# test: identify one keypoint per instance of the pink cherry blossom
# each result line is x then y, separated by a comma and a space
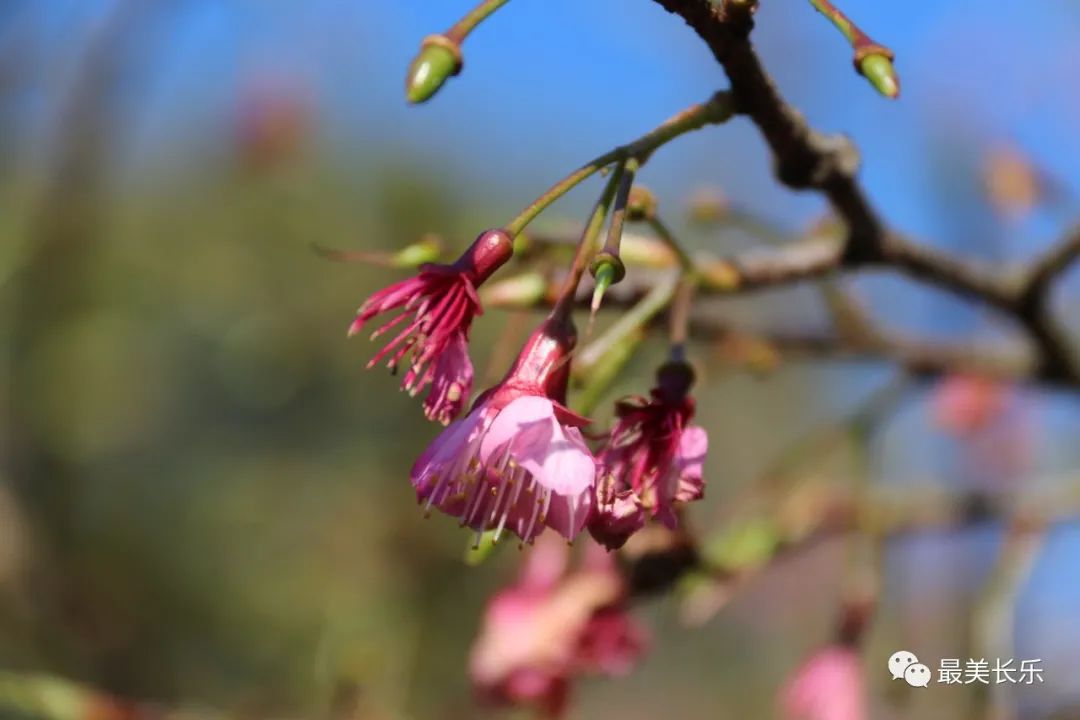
653, 458
518, 460
551, 627
432, 330
828, 686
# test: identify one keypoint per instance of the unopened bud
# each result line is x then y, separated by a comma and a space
877, 67
520, 291
641, 204
646, 251
439, 58
425, 250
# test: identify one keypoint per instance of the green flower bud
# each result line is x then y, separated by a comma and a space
641, 205
519, 291
425, 250
438, 59
879, 70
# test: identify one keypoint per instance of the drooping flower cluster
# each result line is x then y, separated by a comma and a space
437, 309
517, 461
652, 460
552, 626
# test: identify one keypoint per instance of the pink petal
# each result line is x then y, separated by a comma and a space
829, 686
613, 523
544, 565
568, 516
611, 643
453, 378
525, 412
558, 459
445, 449
689, 462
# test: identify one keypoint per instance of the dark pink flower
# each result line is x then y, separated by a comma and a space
550, 627
432, 331
828, 686
518, 460
618, 515
653, 459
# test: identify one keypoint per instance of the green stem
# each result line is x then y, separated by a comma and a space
599, 363
665, 234
847, 28
556, 191
618, 215
474, 17
587, 245
716, 110
680, 309
639, 316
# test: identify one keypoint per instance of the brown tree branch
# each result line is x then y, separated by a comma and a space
806, 159
813, 258
923, 358
658, 558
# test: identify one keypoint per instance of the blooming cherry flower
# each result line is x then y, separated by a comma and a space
517, 461
432, 330
652, 460
828, 686
552, 626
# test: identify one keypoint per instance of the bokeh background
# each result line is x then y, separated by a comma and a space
204, 500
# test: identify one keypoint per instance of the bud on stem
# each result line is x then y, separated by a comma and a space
439, 58
876, 66
607, 267
872, 60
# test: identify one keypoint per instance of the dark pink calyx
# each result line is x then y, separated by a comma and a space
543, 366
489, 252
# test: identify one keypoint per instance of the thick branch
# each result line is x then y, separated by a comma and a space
807, 159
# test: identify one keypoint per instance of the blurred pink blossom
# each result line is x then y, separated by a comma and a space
550, 627
828, 686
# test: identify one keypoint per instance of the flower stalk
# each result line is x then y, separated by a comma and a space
607, 267
716, 109
474, 17
587, 244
